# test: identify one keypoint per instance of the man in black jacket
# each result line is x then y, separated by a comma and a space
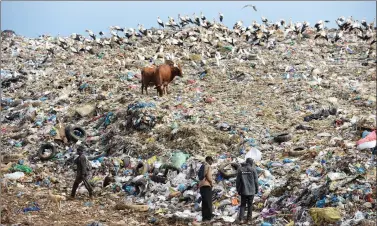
82, 174
247, 187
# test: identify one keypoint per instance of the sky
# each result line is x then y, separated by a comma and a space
63, 18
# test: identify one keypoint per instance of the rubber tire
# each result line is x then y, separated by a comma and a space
284, 137
298, 151
47, 146
228, 175
69, 133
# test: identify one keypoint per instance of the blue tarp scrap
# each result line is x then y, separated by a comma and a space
139, 105
202, 75
83, 86
105, 120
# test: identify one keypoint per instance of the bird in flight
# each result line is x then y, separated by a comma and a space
254, 7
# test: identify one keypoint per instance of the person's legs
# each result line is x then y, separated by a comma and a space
249, 207
88, 186
75, 186
210, 195
205, 192
242, 207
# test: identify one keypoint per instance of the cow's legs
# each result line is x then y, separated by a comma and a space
167, 92
142, 88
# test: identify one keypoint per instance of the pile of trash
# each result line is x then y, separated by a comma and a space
303, 109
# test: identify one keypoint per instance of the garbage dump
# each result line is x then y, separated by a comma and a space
301, 106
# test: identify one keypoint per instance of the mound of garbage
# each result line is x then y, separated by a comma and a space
304, 109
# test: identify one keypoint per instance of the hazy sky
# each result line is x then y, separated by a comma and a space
67, 17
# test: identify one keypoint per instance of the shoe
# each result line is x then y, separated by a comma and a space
238, 221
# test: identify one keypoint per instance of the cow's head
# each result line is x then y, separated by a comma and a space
177, 69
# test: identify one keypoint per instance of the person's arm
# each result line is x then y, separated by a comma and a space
256, 180
238, 181
83, 165
209, 176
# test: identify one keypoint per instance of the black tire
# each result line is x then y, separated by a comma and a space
227, 175
71, 136
41, 151
284, 137
298, 151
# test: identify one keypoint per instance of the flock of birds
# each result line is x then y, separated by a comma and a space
211, 33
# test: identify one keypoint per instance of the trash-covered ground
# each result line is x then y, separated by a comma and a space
305, 107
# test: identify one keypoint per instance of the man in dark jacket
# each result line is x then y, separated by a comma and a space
206, 190
82, 174
247, 187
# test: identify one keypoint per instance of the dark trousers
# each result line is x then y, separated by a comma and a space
206, 193
246, 199
78, 180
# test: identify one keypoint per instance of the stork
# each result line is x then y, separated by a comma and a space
174, 24
338, 36
182, 19
264, 20
91, 34
160, 23
319, 25
322, 34
117, 28
142, 30
188, 19
202, 16
221, 17
253, 6
196, 19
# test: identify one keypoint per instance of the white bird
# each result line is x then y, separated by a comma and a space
159, 21
253, 6
182, 19
264, 20
91, 34
202, 16
319, 25
221, 16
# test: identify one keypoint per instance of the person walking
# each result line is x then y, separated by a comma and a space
247, 187
83, 172
205, 185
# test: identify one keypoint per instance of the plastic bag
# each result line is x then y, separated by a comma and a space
22, 168
333, 176
254, 154
370, 137
328, 214
178, 159
14, 176
367, 145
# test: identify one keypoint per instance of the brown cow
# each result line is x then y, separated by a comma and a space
150, 78
166, 74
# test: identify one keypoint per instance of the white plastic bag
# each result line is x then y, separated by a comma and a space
254, 153
367, 145
14, 176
